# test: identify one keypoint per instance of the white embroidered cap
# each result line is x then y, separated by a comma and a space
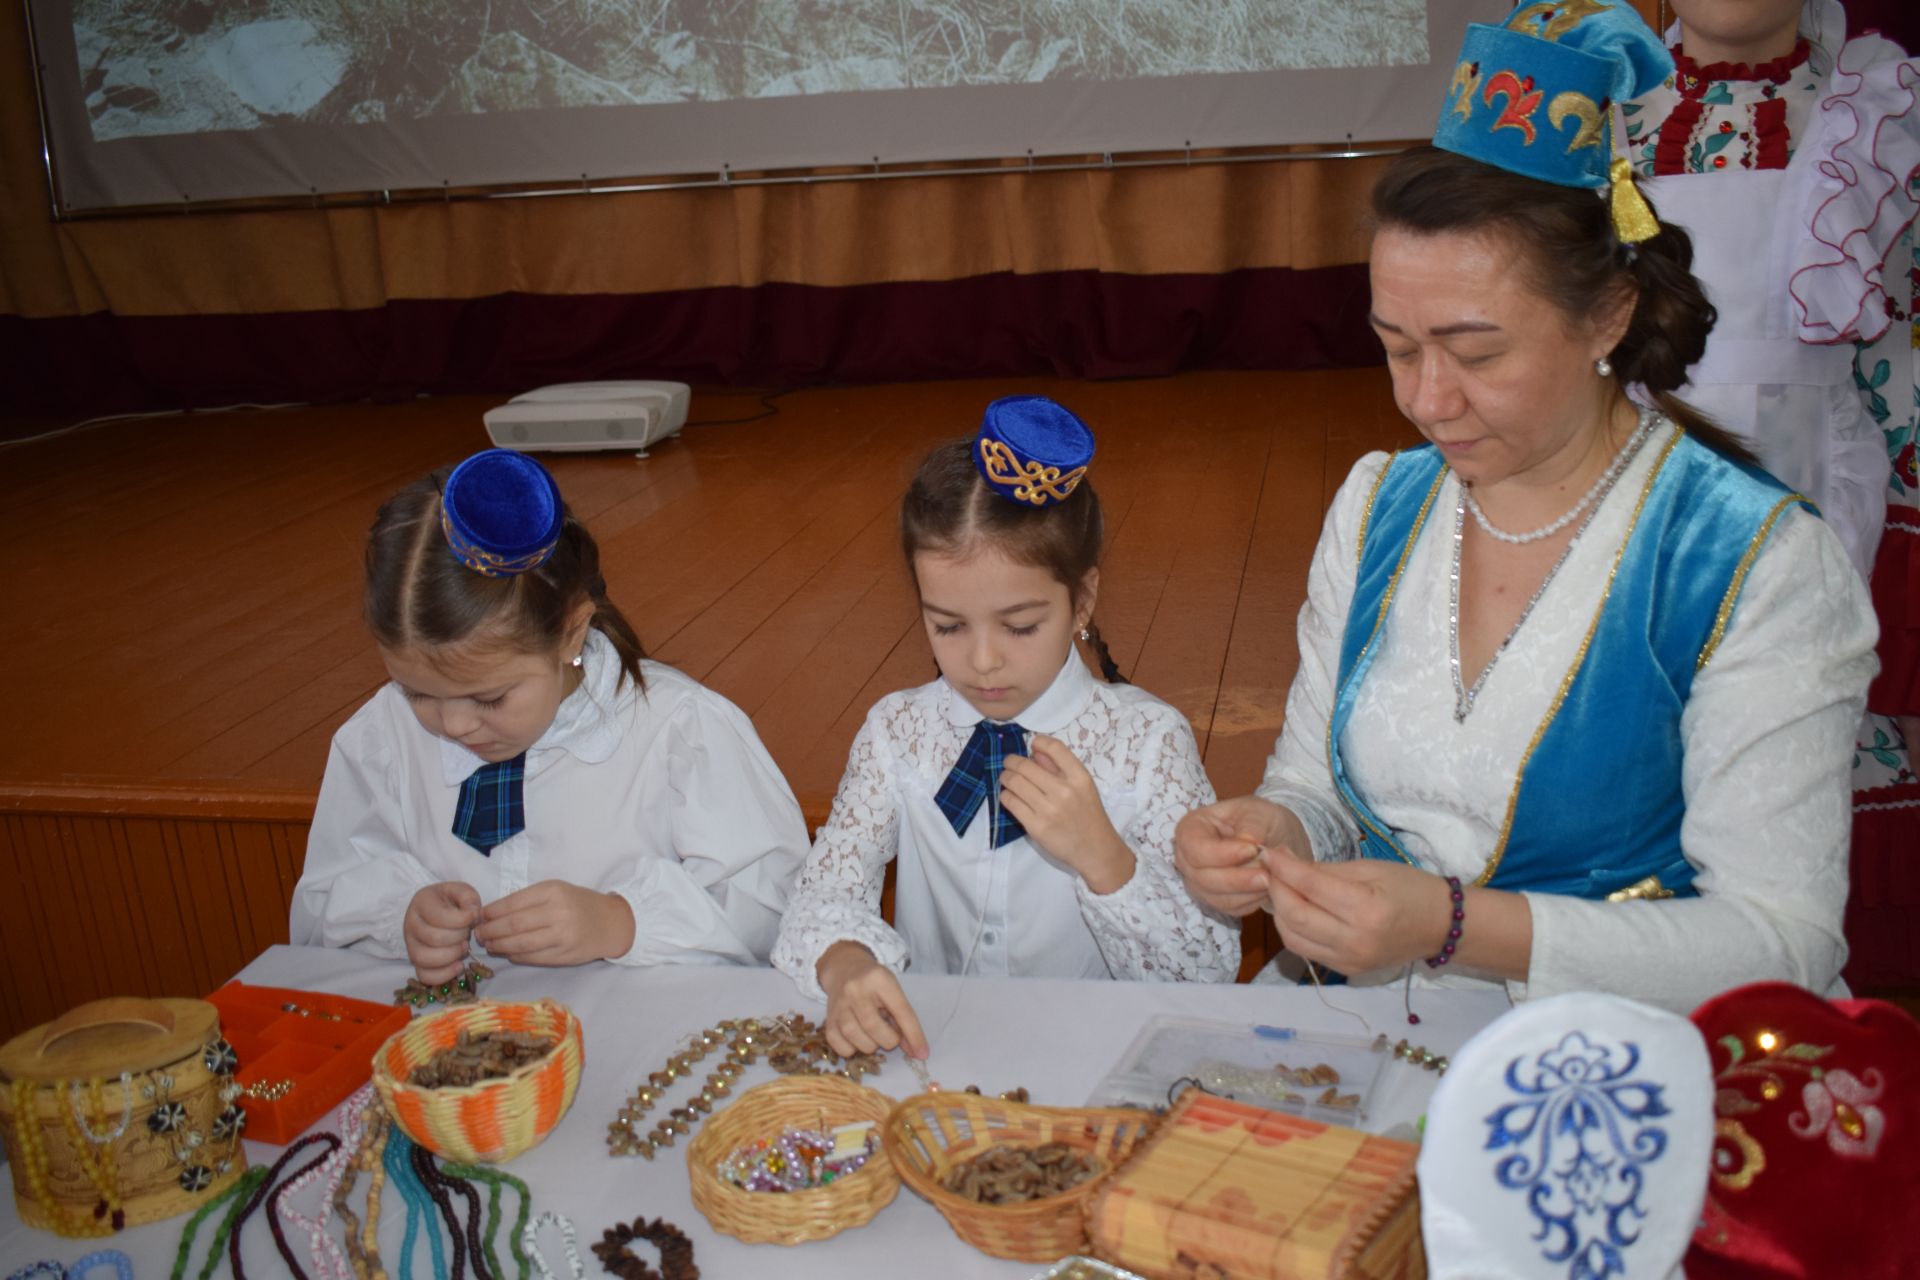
1569, 1138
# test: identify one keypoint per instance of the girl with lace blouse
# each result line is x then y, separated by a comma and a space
1029, 808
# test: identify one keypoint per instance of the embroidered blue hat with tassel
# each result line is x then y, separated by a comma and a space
1032, 451
1535, 96
502, 513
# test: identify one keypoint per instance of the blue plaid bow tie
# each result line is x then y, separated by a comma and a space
492, 807
976, 775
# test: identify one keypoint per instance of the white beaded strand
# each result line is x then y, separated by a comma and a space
1600, 486
74, 1091
569, 1242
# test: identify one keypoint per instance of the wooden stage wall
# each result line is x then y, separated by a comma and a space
184, 634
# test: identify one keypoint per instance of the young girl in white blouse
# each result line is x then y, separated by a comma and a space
529, 781
1031, 807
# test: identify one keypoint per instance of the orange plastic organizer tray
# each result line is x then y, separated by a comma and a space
326, 1058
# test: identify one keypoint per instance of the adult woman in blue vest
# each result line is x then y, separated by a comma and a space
1577, 682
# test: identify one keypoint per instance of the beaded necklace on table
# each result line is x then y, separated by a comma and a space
1463, 697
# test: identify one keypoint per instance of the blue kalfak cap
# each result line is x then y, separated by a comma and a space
1534, 95
1032, 451
502, 513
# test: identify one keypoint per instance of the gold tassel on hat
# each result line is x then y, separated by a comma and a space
1633, 219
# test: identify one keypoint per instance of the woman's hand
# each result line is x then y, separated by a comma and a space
1358, 916
1217, 849
556, 923
867, 1012
1055, 799
438, 922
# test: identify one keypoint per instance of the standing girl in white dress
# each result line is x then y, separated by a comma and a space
529, 781
1029, 806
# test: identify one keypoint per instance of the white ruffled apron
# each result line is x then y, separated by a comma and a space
1794, 402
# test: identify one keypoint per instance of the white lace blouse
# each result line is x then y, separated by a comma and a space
1767, 735
961, 907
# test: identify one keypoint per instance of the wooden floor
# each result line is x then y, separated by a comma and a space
182, 625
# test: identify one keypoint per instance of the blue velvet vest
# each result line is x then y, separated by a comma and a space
1597, 804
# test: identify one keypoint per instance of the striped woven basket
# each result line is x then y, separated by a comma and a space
494, 1120
929, 1134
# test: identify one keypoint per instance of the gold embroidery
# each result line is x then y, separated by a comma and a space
1386, 601
1579, 660
1032, 482
1562, 16
1752, 1157
1366, 514
1466, 79
1727, 601
1582, 108
1647, 890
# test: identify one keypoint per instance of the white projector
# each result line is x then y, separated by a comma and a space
577, 416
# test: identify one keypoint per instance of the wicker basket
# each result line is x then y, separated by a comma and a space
495, 1120
767, 1217
929, 1134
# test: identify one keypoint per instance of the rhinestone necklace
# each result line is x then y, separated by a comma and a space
1463, 697
1600, 487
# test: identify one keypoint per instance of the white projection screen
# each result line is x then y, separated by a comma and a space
163, 101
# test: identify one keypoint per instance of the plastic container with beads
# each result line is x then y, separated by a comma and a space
120, 1112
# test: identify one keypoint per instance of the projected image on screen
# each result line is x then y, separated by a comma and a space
153, 67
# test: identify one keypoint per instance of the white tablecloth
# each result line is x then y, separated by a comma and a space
1056, 1038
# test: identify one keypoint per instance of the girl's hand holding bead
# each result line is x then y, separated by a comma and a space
867, 1012
1358, 916
556, 923
1055, 799
438, 922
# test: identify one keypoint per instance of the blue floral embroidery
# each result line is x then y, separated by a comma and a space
1581, 1140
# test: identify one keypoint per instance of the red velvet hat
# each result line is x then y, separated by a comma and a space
1816, 1156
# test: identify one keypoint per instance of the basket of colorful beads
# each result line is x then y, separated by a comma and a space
795, 1160
1010, 1178
484, 1081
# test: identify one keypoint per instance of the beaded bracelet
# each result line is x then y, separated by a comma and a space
1459, 918
122, 1265
569, 1241
676, 1251
495, 1180
44, 1267
366, 1252
440, 1187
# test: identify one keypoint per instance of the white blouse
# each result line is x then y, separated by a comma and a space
1767, 738
961, 907
665, 797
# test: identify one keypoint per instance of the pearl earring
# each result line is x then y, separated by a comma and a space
1086, 633
1603, 367
580, 657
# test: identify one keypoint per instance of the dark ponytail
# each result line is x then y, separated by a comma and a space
1566, 241
949, 508
419, 595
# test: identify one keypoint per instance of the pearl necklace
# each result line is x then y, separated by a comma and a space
1600, 486
1463, 697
